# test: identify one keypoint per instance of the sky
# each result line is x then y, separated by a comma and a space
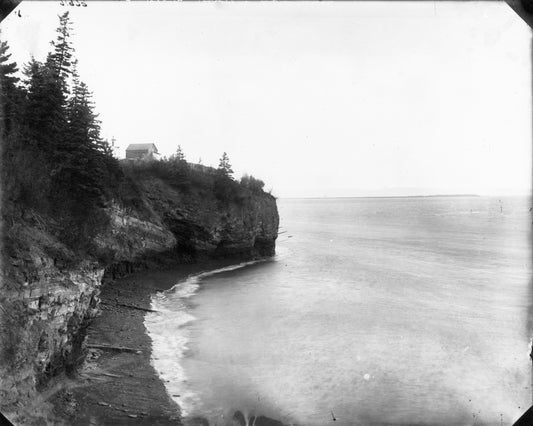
318, 99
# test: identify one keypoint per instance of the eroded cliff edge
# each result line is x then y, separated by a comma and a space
50, 288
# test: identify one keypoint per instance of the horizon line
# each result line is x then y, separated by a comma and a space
404, 196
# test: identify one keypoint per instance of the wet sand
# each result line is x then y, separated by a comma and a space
119, 386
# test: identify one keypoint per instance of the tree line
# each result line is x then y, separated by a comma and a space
224, 170
225, 185
54, 159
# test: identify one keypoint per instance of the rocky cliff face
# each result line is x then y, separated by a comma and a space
45, 307
49, 294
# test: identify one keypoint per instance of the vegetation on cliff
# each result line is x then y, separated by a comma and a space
55, 164
60, 174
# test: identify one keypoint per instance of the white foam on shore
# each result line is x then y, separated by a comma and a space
170, 336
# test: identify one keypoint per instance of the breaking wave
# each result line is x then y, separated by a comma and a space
170, 336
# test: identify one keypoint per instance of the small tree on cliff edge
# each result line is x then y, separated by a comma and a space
178, 156
179, 169
224, 166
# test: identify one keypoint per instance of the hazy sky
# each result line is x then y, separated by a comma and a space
317, 99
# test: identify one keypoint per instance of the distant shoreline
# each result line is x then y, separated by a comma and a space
394, 196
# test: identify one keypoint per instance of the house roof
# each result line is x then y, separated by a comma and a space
140, 147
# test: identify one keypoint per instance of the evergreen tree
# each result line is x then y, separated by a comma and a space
11, 157
224, 185
179, 169
57, 161
180, 156
93, 162
61, 58
9, 92
45, 110
61, 123
82, 118
224, 166
82, 132
7, 69
47, 85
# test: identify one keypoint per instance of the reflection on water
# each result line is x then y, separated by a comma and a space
382, 311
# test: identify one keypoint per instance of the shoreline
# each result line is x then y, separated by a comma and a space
117, 384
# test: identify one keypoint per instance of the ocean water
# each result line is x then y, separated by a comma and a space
373, 311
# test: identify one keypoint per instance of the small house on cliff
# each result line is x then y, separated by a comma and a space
141, 151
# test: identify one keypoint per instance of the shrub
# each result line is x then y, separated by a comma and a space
251, 183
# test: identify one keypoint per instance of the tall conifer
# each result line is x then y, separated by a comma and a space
224, 166
61, 58
9, 92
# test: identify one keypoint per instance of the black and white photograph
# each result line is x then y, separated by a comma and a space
266, 213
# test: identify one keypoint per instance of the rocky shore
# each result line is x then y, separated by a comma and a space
117, 383
52, 295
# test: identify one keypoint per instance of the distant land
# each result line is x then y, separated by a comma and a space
387, 196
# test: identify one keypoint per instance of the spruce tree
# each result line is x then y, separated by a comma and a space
224, 166
94, 163
11, 157
80, 132
7, 69
179, 169
224, 186
9, 92
48, 91
61, 123
179, 156
61, 58
58, 162
45, 110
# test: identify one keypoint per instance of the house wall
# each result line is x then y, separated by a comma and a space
139, 154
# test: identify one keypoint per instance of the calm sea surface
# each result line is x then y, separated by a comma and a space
376, 311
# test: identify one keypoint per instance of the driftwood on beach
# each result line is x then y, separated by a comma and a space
114, 348
129, 306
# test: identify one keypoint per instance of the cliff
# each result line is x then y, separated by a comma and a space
50, 289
